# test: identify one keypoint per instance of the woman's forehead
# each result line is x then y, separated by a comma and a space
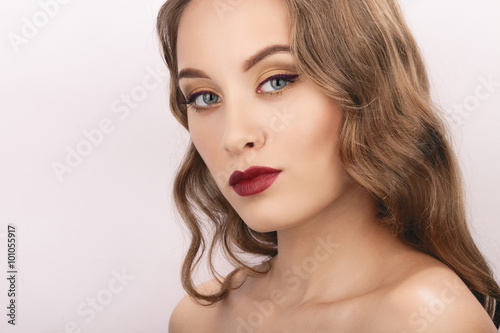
234, 30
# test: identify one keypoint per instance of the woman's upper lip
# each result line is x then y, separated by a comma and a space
251, 172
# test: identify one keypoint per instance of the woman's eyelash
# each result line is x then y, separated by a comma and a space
287, 77
191, 97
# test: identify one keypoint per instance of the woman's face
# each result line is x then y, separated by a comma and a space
250, 108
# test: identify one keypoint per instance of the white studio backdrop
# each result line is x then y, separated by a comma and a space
89, 148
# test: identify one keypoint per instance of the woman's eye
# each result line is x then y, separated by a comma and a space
277, 83
274, 84
206, 99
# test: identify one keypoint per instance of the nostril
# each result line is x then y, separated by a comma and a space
250, 144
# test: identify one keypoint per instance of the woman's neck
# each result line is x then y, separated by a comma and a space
340, 250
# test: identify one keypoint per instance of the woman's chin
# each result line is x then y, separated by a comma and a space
262, 227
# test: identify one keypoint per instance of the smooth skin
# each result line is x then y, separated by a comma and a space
338, 268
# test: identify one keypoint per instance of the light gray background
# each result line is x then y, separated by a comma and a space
112, 215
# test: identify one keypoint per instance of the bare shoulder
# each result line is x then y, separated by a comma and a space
432, 298
181, 319
190, 316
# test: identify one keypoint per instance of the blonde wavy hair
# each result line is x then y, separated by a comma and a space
362, 54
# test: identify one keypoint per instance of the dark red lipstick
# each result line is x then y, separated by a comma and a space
253, 180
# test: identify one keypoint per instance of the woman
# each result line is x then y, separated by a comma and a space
316, 147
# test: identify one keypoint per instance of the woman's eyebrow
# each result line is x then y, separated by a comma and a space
264, 53
247, 65
192, 73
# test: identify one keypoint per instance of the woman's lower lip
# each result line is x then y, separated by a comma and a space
255, 185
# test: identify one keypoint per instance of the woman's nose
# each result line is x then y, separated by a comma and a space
242, 128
